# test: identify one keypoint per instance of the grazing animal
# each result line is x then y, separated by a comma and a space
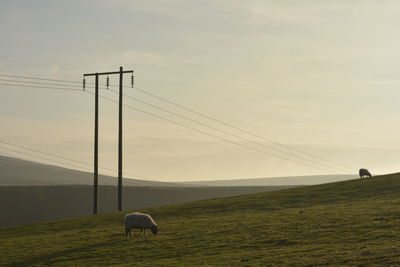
140, 221
364, 172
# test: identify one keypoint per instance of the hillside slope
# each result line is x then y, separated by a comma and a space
20, 172
33, 204
290, 180
345, 223
23, 172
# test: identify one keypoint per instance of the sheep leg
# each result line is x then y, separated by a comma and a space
127, 231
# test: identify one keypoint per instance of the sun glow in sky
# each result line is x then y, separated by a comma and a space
319, 76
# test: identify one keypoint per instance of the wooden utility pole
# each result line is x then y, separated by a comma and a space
96, 144
96, 129
121, 73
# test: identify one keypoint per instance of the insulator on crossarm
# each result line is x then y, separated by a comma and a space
108, 82
84, 84
132, 80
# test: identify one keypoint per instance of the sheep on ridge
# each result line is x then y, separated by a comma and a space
364, 172
140, 221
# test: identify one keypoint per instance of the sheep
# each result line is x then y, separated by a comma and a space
364, 172
140, 221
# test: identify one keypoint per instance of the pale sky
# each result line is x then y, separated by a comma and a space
320, 76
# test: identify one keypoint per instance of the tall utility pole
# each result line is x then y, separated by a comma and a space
121, 74
96, 128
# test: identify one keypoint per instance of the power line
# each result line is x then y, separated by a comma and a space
36, 78
214, 128
222, 131
64, 86
50, 80
210, 118
41, 87
43, 158
65, 158
237, 128
31, 82
176, 114
293, 155
212, 135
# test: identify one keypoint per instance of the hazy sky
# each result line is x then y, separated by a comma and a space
320, 76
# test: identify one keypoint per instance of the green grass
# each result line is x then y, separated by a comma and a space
354, 222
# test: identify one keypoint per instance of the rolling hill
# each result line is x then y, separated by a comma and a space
346, 223
23, 172
272, 181
30, 204
33, 192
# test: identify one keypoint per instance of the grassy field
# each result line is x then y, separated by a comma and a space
354, 222
35, 204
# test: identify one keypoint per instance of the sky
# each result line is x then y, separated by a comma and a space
317, 76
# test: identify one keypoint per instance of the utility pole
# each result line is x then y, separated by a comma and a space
96, 128
121, 73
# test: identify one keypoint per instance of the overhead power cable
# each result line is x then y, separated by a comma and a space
207, 117
42, 87
222, 131
65, 158
41, 83
47, 159
212, 135
36, 78
214, 128
238, 129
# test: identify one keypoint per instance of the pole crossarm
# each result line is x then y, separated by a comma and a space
107, 73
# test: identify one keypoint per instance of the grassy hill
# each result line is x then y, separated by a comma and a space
33, 204
353, 222
23, 172
289, 180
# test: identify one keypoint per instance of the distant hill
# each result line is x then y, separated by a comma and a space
34, 192
22, 172
349, 223
291, 180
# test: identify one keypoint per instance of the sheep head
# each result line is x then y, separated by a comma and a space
154, 229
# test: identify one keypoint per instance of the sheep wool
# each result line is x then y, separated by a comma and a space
140, 221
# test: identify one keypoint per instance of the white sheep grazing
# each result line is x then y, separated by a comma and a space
140, 221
